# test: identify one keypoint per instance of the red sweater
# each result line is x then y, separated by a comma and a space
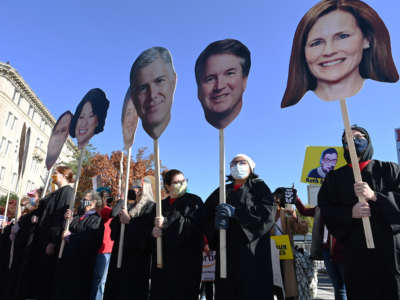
108, 243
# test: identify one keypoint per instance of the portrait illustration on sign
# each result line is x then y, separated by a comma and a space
221, 72
337, 45
152, 85
59, 135
90, 117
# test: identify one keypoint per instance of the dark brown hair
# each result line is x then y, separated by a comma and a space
168, 175
377, 62
67, 172
227, 46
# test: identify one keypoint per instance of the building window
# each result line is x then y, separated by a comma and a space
2, 144
9, 119
2, 173
7, 148
19, 100
14, 182
30, 111
16, 97
14, 122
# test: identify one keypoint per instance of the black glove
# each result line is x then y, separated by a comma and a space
223, 212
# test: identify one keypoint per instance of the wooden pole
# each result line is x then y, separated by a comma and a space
46, 186
5, 210
356, 170
72, 202
121, 170
17, 215
222, 199
158, 200
122, 232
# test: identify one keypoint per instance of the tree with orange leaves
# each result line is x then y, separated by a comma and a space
108, 168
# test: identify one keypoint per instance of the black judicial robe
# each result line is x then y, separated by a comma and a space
49, 230
131, 281
74, 273
182, 243
5, 246
249, 267
369, 273
19, 277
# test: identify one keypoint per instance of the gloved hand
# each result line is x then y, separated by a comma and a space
223, 212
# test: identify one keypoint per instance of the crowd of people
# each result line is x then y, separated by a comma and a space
31, 268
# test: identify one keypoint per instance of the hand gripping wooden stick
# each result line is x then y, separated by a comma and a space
222, 199
122, 233
356, 170
158, 201
72, 202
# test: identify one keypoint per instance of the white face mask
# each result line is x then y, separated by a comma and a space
178, 189
240, 171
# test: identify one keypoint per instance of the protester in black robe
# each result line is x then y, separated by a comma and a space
182, 243
47, 238
248, 217
370, 274
74, 273
131, 281
5, 246
19, 283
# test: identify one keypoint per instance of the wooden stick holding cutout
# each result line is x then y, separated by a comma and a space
72, 202
122, 232
158, 200
46, 186
5, 211
121, 170
356, 170
222, 199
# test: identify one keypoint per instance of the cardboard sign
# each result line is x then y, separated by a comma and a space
153, 82
59, 135
320, 60
129, 120
90, 116
319, 161
221, 73
21, 149
209, 261
397, 136
26, 150
290, 196
283, 245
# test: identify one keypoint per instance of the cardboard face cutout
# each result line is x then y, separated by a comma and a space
153, 82
57, 139
332, 54
221, 73
21, 149
129, 120
89, 117
26, 150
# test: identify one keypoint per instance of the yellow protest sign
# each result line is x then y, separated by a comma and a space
283, 245
319, 161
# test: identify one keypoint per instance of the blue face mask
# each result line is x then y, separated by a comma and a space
32, 200
361, 145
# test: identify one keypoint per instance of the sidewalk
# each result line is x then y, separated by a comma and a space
325, 288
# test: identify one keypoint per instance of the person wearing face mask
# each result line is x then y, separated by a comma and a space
74, 273
247, 216
182, 241
49, 218
131, 281
369, 274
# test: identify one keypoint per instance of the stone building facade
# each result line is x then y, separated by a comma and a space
19, 105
